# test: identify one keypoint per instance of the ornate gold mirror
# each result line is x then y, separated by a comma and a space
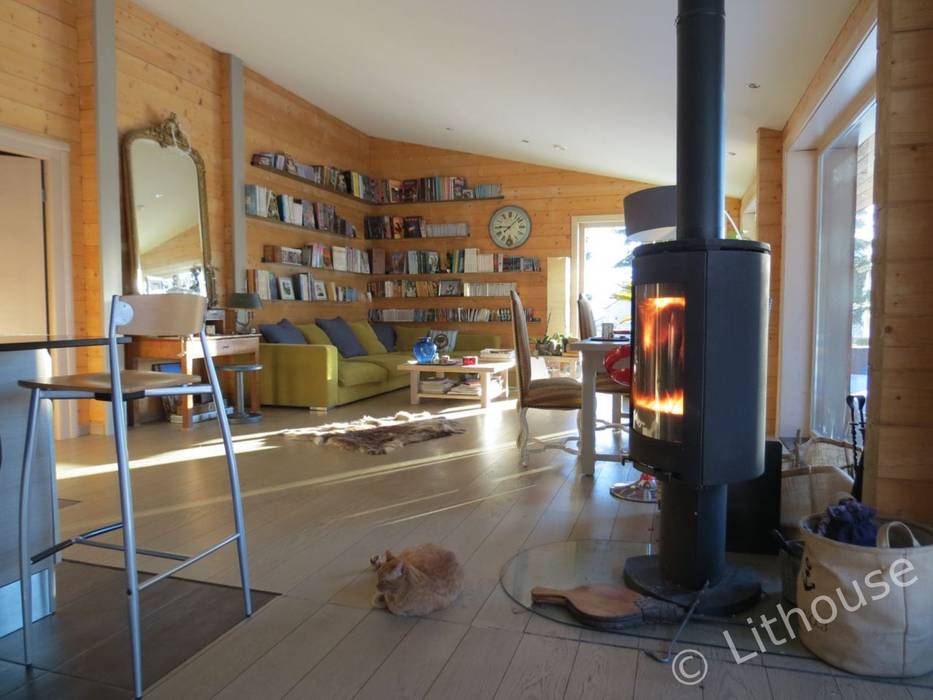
166, 211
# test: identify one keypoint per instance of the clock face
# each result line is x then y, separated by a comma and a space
510, 227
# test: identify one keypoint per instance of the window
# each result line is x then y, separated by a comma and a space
843, 275
602, 269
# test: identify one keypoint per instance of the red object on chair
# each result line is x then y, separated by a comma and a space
618, 364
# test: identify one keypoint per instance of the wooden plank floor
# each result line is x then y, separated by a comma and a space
316, 514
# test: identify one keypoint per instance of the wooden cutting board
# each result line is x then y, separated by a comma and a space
598, 604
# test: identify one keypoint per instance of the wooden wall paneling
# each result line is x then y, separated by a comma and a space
42, 49
551, 196
161, 69
769, 183
898, 463
853, 32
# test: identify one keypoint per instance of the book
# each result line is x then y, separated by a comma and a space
339, 256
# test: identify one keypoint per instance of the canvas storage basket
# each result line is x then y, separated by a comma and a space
891, 636
806, 490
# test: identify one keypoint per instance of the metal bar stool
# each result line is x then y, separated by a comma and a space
161, 314
241, 414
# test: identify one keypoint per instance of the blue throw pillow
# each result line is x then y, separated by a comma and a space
342, 336
386, 334
282, 332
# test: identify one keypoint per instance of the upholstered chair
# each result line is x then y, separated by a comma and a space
604, 383
555, 393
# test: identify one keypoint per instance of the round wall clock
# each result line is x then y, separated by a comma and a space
509, 227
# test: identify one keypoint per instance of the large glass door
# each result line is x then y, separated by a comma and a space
843, 275
603, 262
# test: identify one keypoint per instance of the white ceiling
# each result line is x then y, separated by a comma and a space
595, 76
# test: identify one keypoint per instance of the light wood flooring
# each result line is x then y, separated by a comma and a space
316, 514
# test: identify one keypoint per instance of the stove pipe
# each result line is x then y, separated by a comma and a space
701, 27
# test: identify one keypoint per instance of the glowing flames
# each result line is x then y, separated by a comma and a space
661, 326
672, 403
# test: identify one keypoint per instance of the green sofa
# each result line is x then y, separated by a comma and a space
316, 376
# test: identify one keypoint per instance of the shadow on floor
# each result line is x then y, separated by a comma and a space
83, 650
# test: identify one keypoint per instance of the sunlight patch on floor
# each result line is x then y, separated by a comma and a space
207, 450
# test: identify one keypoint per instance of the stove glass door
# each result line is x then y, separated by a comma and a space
658, 361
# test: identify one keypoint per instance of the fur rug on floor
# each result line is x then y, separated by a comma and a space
377, 436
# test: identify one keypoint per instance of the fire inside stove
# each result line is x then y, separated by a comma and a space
658, 361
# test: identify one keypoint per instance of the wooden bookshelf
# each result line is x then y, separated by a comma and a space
330, 235
438, 201
317, 302
452, 275
295, 268
502, 300
359, 200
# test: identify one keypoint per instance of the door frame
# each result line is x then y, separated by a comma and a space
577, 251
56, 171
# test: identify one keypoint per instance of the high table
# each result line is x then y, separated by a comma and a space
27, 357
592, 351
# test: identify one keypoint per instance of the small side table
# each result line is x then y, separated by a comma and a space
240, 413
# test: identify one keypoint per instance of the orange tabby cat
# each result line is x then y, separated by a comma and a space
418, 581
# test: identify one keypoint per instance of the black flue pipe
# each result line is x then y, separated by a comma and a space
693, 518
701, 39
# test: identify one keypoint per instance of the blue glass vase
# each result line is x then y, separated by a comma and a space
424, 350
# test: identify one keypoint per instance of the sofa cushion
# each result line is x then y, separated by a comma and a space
472, 343
341, 335
367, 337
389, 361
356, 372
314, 334
282, 332
407, 336
386, 334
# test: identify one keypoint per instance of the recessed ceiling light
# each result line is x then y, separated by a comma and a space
753, 86
158, 195
558, 147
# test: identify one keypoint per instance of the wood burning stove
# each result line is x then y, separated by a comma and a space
699, 338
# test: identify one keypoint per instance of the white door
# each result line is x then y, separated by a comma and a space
24, 306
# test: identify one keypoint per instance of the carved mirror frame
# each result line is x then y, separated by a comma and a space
166, 134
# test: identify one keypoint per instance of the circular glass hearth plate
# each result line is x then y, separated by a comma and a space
636, 491
568, 564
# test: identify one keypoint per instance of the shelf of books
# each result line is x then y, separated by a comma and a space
264, 222
458, 261
409, 290
301, 287
360, 188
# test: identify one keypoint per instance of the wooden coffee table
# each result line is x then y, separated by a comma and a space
485, 370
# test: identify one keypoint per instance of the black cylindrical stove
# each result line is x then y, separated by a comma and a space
699, 339
699, 347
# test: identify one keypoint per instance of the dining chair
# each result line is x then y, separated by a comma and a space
554, 393
149, 315
604, 383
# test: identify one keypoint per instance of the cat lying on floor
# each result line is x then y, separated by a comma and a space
418, 581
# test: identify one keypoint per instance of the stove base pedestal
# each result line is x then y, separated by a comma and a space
738, 589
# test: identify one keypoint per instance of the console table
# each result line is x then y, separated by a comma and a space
186, 351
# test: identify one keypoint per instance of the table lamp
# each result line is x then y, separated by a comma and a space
244, 301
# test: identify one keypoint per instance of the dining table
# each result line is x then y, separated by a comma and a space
592, 351
28, 357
